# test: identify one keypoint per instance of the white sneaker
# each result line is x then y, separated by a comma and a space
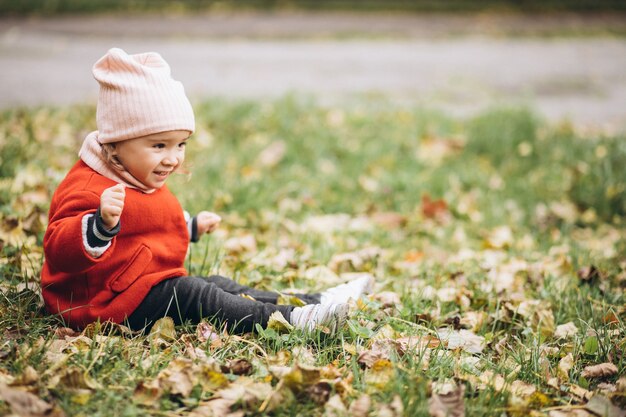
310, 316
344, 292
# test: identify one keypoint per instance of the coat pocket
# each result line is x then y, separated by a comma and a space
138, 263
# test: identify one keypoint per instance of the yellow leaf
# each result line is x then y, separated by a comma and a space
278, 322
291, 300
378, 376
163, 329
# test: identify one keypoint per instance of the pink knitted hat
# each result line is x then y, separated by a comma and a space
138, 97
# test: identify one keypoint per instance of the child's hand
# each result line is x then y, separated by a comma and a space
111, 205
207, 222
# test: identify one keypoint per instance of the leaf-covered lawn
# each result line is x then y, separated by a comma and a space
498, 245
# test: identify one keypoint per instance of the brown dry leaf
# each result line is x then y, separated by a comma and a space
434, 209
361, 406
580, 392
147, 393
602, 406
73, 378
599, 371
389, 220
369, 357
301, 376
463, 339
182, 374
448, 403
335, 407
393, 409
354, 261
272, 155
571, 412
387, 298
23, 403
163, 332
319, 392
241, 244
500, 238
240, 366
61, 332
205, 331
218, 407
565, 331
416, 344
565, 365
28, 376
251, 395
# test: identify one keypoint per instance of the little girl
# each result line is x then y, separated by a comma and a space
117, 237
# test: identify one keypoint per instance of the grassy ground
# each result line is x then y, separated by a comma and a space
497, 243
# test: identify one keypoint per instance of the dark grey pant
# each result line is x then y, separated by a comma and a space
191, 299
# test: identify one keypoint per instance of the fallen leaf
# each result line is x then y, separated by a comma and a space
361, 406
24, 403
273, 154
335, 407
389, 220
565, 365
319, 392
448, 404
163, 332
434, 209
463, 339
602, 406
241, 244
278, 322
290, 300
387, 298
599, 371
564, 331
378, 376
394, 409
354, 261
240, 366
500, 238
571, 412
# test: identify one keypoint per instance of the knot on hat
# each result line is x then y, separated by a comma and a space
138, 97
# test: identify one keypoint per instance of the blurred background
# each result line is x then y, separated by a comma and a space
564, 58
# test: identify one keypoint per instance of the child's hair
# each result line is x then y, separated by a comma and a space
110, 158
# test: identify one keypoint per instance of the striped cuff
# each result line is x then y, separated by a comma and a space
87, 231
193, 229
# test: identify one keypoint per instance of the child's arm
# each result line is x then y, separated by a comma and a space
78, 234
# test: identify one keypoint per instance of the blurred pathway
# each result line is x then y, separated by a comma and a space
460, 64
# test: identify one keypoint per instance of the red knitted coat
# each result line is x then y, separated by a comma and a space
150, 247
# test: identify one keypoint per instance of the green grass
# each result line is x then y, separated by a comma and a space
524, 210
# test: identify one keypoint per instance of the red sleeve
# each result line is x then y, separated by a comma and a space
63, 241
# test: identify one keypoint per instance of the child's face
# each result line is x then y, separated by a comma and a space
151, 159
